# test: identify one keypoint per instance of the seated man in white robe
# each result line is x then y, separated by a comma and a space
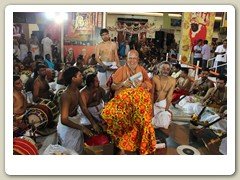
162, 90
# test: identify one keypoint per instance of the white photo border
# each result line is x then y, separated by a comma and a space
119, 165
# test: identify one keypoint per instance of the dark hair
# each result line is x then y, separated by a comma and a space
200, 40
40, 65
222, 77
47, 55
185, 70
15, 78
177, 66
205, 42
80, 57
90, 79
69, 73
104, 31
206, 69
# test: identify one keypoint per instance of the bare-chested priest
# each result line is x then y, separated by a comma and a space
162, 89
41, 89
19, 103
107, 57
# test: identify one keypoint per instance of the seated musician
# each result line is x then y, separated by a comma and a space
214, 101
41, 86
70, 129
92, 95
162, 90
121, 78
19, 103
182, 86
176, 71
197, 91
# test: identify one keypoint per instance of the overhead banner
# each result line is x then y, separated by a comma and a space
195, 26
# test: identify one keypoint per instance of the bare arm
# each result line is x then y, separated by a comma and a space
209, 92
65, 105
87, 113
152, 95
116, 55
169, 95
193, 86
36, 86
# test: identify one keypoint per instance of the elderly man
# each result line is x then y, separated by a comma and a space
131, 75
162, 91
106, 56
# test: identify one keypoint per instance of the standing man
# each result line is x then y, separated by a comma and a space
47, 45
205, 54
221, 56
162, 91
106, 56
69, 127
23, 47
197, 53
34, 45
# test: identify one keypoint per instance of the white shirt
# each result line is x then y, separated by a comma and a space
206, 52
47, 43
196, 54
221, 57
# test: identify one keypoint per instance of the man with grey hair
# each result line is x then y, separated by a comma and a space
162, 89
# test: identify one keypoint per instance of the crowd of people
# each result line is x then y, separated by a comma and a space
99, 95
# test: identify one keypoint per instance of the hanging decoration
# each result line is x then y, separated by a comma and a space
134, 28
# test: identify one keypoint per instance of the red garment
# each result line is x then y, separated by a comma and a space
178, 93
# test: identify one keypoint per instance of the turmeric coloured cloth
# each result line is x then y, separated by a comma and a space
124, 73
128, 116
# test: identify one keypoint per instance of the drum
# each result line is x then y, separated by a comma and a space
56, 98
42, 114
24, 146
52, 106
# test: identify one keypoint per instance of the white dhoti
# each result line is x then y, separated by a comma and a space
161, 117
69, 137
96, 111
104, 76
188, 104
83, 119
23, 51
